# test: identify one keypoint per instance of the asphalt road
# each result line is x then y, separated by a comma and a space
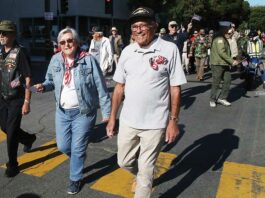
209, 137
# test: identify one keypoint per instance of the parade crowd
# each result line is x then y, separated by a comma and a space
153, 66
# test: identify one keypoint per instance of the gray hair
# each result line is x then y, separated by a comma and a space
69, 30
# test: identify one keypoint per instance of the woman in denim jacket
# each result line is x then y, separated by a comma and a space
80, 88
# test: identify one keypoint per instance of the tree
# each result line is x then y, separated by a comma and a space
257, 18
211, 11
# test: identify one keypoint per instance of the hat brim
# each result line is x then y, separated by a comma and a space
7, 30
140, 18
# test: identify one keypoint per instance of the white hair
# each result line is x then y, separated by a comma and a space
69, 30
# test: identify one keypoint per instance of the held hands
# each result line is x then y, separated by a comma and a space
38, 87
172, 132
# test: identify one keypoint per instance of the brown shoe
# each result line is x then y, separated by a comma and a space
133, 188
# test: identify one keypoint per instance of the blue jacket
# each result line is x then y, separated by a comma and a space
89, 83
178, 39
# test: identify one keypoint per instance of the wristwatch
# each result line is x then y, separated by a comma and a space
173, 118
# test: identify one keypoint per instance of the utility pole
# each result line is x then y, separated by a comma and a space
47, 31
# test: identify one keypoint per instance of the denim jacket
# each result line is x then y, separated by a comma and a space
89, 83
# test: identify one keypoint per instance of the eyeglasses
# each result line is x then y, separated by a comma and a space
3, 33
142, 27
63, 42
173, 26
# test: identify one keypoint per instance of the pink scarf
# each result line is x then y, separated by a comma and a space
68, 67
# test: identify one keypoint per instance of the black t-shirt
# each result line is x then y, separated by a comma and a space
23, 61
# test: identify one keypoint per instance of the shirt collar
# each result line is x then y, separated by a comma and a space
152, 47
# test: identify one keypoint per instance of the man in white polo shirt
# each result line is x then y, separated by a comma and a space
149, 74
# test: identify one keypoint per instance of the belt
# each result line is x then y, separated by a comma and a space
8, 97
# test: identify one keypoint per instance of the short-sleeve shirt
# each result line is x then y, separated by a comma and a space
148, 74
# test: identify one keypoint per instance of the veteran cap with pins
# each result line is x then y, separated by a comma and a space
142, 13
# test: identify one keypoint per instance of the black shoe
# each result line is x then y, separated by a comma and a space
11, 171
28, 145
74, 187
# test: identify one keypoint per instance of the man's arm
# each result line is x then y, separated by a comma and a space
115, 104
172, 130
26, 105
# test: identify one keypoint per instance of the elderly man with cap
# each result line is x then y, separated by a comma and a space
15, 77
221, 62
150, 75
100, 48
116, 44
176, 36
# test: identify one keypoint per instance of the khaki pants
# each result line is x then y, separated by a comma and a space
200, 67
137, 152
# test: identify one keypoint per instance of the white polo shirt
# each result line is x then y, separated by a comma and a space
147, 100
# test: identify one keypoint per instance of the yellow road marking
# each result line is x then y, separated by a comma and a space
119, 182
41, 160
241, 181
2, 136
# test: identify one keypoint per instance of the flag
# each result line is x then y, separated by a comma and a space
196, 17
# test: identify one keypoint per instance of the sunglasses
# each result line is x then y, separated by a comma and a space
173, 26
63, 42
3, 33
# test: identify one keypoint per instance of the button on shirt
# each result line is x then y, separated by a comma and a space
147, 99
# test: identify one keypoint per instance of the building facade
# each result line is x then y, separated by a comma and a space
81, 15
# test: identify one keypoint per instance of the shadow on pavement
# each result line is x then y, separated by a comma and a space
28, 195
39, 160
100, 133
103, 167
207, 152
187, 95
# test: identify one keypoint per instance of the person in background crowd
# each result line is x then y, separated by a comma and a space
79, 86
116, 44
210, 36
56, 48
242, 44
177, 37
15, 79
254, 45
210, 40
233, 43
200, 46
221, 62
235, 32
254, 50
185, 56
162, 32
191, 52
100, 48
149, 68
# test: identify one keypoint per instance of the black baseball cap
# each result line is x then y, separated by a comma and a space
96, 29
142, 13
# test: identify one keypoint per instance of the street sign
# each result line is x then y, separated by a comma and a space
48, 16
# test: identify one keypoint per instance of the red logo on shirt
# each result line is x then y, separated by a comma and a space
156, 61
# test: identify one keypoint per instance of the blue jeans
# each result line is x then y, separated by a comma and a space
72, 135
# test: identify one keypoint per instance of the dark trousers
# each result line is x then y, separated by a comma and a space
220, 73
10, 120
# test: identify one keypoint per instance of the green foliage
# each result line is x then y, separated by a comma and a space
257, 18
212, 11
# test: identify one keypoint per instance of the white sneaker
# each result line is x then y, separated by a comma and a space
212, 104
224, 102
